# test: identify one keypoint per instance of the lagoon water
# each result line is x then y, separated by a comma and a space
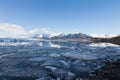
53, 60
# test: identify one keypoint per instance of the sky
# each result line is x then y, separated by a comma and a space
22, 17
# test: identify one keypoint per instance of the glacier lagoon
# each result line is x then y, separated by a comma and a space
53, 60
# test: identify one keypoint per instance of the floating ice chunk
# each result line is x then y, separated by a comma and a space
80, 79
70, 74
54, 63
83, 64
102, 45
51, 67
63, 74
66, 64
44, 78
13, 43
39, 58
55, 55
58, 78
54, 45
19, 72
81, 56
59, 72
5, 55
78, 68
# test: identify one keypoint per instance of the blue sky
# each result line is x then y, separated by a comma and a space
85, 16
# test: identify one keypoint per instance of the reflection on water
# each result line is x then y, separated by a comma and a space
103, 44
54, 45
57, 44
48, 44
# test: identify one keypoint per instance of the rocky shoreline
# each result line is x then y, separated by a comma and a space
111, 71
114, 40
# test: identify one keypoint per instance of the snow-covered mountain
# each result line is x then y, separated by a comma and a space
61, 35
41, 36
73, 37
70, 35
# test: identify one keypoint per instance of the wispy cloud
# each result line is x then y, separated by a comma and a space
13, 30
41, 30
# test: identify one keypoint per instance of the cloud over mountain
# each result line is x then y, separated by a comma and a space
13, 30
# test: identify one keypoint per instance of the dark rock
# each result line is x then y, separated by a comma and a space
111, 71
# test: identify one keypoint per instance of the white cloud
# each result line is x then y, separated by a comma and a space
13, 30
43, 30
